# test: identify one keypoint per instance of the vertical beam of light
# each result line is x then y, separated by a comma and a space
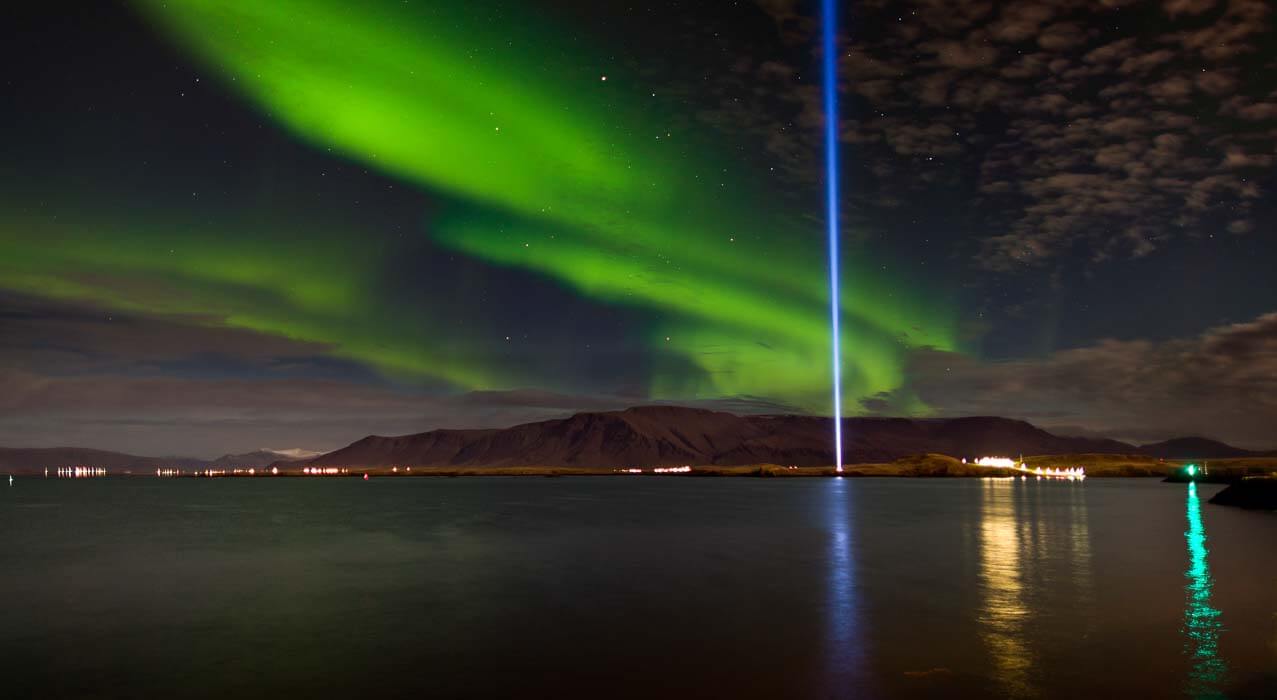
830, 49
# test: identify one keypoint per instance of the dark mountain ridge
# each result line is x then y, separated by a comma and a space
256, 458
36, 459
1196, 448
648, 436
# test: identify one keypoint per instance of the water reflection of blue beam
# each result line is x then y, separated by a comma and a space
845, 650
1202, 625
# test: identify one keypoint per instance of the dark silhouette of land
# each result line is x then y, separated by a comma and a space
29, 460
650, 436
666, 436
1252, 494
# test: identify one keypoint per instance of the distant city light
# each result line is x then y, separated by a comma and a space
657, 470
325, 471
79, 472
1070, 473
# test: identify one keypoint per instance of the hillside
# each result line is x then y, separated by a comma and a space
260, 458
1194, 448
647, 436
32, 460
669, 435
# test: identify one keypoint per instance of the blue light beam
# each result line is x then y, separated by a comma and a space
830, 49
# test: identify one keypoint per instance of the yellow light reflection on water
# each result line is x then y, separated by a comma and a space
1202, 625
1003, 613
1079, 549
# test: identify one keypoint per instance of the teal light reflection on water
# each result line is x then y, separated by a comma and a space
1202, 624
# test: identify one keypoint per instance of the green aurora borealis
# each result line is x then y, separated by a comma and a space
536, 163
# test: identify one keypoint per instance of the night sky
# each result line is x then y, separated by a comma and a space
233, 224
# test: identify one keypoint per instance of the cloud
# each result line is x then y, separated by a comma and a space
1062, 35
1121, 50
1237, 158
1191, 7
196, 417
84, 377
1140, 64
1114, 142
1174, 89
1231, 35
1251, 110
183, 416
1216, 83
1019, 21
973, 53
1221, 383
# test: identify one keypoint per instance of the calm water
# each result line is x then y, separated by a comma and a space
633, 587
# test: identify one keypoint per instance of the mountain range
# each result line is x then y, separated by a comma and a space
36, 459
660, 436
671, 435
262, 458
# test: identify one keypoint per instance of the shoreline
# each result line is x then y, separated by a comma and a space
921, 466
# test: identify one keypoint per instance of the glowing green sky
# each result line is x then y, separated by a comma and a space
533, 162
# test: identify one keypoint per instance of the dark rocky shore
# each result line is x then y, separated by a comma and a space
1255, 493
